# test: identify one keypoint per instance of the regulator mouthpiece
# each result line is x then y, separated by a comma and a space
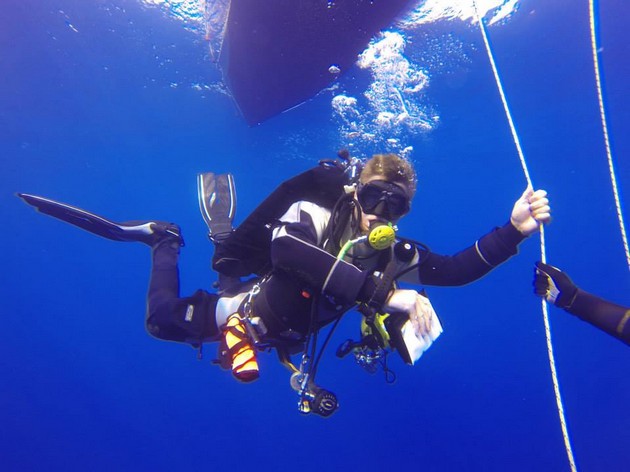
382, 236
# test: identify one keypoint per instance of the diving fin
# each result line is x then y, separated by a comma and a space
148, 232
217, 203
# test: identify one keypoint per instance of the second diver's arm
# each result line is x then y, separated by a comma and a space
609, 317
557, 287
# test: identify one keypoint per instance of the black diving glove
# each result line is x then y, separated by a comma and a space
554, 285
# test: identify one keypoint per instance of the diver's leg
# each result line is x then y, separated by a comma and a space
169, 317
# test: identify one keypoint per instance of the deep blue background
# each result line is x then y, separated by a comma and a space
106, 118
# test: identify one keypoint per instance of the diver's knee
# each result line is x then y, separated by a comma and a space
156, 324
153, 330
158, 319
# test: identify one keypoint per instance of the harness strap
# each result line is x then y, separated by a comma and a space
285, 359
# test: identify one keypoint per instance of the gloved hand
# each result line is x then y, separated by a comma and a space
530, 211
417, 307
554, 285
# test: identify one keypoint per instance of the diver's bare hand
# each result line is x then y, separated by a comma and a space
530, 211
415, 306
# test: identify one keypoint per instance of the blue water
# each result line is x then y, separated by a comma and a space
98, 109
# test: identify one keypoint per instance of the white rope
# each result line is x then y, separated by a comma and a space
602, 113
552, 363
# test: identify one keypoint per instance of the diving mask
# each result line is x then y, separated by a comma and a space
383, 199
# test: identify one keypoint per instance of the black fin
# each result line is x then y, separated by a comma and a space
217, 203
143, 231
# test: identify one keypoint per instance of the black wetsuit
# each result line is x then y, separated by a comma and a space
304, 272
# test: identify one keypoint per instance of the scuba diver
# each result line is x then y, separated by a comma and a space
556, 287
322, 244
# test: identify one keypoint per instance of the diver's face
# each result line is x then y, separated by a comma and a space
369, 221
381, 202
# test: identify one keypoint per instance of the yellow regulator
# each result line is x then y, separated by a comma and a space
382, 236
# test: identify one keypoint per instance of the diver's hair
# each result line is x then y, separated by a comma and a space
392, 168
